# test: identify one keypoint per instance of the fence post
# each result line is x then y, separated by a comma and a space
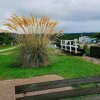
61, 45
75, 47
65, 45
70, 46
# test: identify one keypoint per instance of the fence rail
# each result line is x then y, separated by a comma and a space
71, 44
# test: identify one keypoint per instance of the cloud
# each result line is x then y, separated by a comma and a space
74, 15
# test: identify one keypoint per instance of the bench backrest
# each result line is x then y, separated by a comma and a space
58, 84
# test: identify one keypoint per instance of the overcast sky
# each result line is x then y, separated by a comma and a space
73, 15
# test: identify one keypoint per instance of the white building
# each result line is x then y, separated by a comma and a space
84, 39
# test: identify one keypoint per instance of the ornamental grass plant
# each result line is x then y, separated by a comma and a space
33, 35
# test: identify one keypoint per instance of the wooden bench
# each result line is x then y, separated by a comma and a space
76, 91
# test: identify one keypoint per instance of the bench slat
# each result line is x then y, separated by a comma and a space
63, 94
55, 84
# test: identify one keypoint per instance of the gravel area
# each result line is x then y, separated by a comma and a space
91, 59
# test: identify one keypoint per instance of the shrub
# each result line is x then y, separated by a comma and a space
34, 35
96, 35
87, 50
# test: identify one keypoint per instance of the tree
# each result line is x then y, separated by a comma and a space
96, 35
6, 38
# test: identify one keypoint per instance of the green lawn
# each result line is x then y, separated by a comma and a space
64, 65
14, 48
5, 47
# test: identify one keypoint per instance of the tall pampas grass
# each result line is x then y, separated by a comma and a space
34, 36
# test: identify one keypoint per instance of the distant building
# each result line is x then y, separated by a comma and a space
84, 39
94, 40
87, 40
98, 41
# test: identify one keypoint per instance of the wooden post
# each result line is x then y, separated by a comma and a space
70, 46
65, 45
75, 47
61, 45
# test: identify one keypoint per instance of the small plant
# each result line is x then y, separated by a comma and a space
87, 50
34, 35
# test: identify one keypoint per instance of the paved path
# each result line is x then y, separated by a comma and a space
8, 49
91, 59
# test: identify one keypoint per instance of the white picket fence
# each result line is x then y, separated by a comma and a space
69, 43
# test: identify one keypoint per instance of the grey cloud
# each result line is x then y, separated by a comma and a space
74, 15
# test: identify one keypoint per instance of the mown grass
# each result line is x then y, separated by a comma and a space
63, 65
